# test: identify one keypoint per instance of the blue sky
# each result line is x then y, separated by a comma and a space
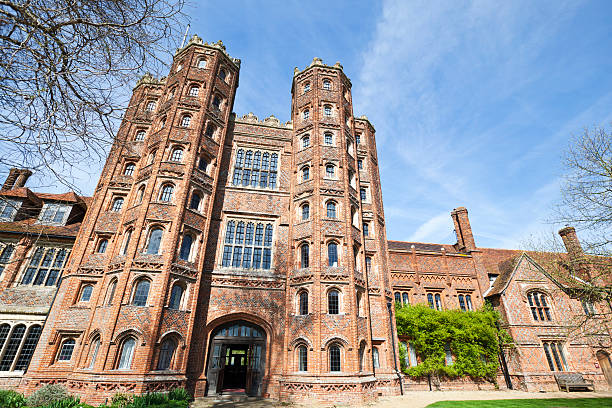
474, 102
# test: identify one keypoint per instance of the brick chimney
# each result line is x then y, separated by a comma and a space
465, 238
577, 260
16, 178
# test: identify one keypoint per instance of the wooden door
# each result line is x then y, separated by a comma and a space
606, 365
221, 371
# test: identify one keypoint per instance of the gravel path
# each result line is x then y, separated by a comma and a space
412, 399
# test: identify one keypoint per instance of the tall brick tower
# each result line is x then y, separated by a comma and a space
229, 254
340, 248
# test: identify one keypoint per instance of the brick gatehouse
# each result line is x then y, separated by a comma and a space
226, 253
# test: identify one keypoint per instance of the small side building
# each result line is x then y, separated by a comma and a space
37, 232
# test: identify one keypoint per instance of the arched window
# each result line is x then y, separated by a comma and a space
141, 292
468, 302
179, 66
222, 74
306, 87
12, 346
306, 114
27, 350
186, 245
302, 358
140, 135
327, 85
305, 212
363, 194
166, 353
194, 204
150, 106
305, 141
333, 302
162, 123
177, 155
102, 246
375, 357
202, 63
93, 351
127, 354
331, 209
366, 229
111, 292
305, 173
167, 191
329, 138
304, 256
358, 138
86, 293
65, 352
126, 241
303, 300
361, 356
129, 169
360, 164
203, 164
539, 306
176, 295
368, 262
194, 90
154, 244
210, 130
334, 358
332, 254
185, 121
140, 194
405, 299
216, 102
398, 298
327, 110
117, 204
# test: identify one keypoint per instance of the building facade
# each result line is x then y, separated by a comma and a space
232, 254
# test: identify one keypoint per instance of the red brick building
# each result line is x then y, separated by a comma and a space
229, 254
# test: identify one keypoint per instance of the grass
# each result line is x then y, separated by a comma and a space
528, 403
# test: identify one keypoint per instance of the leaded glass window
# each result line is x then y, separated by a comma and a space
175, 297
54, 213
303, 299
255, 169
141, 293
5, 255
248, 244
165, 354
555, 356
331, 209
332, 254
334, 358
127, 354
333, 302
539, 306
8, 208
45, 266
302, 358
166, 193
27, 350
305, 212
66, 350
11, 348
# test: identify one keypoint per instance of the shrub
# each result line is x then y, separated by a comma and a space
47, 395
122, 400
11, 399
179, 394
70, 402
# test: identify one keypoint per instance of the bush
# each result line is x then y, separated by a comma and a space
70, 402
47, 395
176, 398
11, 399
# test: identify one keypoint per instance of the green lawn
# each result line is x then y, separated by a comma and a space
528, 403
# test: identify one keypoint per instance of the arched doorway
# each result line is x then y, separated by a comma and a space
606, 365
236, 358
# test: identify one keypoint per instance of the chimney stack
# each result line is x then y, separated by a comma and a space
465, 238
575, 253
16, 178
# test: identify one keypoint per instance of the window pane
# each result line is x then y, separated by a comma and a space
175, 297
28, 348
334, 358
142, 293
127, 352
11, 348
166, 353
303, 358
332, 302
66, 350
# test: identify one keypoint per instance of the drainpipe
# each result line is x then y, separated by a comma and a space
399, 376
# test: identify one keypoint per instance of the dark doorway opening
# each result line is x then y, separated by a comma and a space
235, 363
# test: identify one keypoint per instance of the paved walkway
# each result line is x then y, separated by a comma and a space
412, 399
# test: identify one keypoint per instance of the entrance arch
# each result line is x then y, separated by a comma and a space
606, 365
236, 358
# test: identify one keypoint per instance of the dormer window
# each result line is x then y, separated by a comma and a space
8, 209
54, 213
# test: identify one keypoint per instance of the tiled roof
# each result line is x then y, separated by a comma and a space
30, 226
419, 246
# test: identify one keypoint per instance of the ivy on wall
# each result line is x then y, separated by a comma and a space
473, 338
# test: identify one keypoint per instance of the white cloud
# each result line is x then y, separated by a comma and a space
432, 228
